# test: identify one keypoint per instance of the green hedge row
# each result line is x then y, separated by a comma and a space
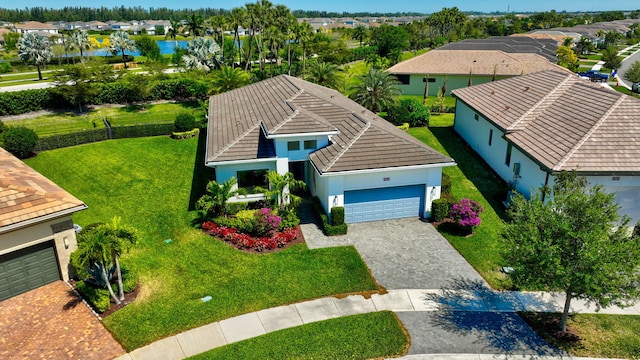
328, 229
99, 299
120, 92
185, 134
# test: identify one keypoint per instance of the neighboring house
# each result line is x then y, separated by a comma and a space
529, 128
347, 155
518, 43
35, 26
461, 67
116, 26
36, 231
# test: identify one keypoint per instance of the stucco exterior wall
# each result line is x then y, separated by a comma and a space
416, 85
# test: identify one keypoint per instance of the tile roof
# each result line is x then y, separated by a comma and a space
27, 195
562, 121
479, 62
519, 43
35, 25
241, 120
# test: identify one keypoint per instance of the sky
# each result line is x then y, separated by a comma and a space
422, 6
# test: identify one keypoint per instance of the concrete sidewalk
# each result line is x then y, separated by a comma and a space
477, 300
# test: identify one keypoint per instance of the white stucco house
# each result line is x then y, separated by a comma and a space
347, 155
36, 232
528, 128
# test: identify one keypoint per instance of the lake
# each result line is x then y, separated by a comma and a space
166, 47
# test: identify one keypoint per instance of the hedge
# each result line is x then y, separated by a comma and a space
337, 215
328, 229
185, 134
99, 299
439, 209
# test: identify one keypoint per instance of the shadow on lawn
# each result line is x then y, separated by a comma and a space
468, 308
201, 174
492, 187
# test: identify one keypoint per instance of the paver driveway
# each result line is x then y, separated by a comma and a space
402, 254
52, 323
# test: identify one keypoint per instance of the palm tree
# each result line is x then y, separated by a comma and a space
236, 20
195, 26
360, 33
214, 202
173, 31
274, 39
229, 78
95, 247
376, 90
36, 49
325, 74
280, 187
304, 35
121, 238
119, 43
80, 39
203, 54
219, 24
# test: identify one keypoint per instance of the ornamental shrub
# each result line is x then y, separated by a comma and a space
20, 141
266, 222
337, 215
466, 214
184, 122
3, 127
98, 298
439, 209
289, 219
446, 183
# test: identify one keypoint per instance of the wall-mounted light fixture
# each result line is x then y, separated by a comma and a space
65, 241
433, 192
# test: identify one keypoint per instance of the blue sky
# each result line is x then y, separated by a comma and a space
425, 6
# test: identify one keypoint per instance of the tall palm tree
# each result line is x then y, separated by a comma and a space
274, 39
375, 90
219, 24
195, 26
35, 49
325, 74
280, 187
120, 238
67, 45
229, 78
304, 35
236, 20
360, 33
119, 42
174, 30
202, 54
80, 39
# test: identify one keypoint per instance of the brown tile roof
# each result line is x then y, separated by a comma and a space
238, 120
479, 62
27, 195
35, 25
562, 121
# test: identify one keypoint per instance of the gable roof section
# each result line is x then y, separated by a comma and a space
26, 196
517, 43
478, 62
285, 105
562, 121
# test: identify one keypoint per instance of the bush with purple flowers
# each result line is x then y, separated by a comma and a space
466, 214
266, 222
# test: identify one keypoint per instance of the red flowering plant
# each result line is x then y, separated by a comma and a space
466, 214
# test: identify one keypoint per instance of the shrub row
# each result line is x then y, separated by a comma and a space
185, 134
120, 92
98, 298
328, 229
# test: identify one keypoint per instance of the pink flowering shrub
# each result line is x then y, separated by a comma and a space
466, 214
266, 222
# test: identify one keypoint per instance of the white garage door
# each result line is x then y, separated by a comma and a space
383, 203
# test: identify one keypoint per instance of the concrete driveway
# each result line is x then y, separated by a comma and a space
402, 254
52, 323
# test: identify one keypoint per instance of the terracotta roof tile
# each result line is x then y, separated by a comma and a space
26, 195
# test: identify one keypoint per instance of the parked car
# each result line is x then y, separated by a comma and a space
635, 87
594, 75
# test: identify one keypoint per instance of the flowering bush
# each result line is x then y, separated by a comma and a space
466, 214
245, 241
266, 222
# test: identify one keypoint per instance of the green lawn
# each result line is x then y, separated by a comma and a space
68, 122
374, 335
473, 179
449, 101
601, 336
152, 183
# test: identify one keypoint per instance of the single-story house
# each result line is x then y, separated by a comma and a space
36, 232
517, 43
347, 155
528, 128
459, 68
35, 26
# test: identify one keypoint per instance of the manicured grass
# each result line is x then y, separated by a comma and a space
367, 336
449, 101
607, 336
68, 122
441, 120
152, 183
410, 54
473, 179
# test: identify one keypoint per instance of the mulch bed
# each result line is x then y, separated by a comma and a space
298, 240
128, 299
548, 327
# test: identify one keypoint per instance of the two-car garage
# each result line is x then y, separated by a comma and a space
27, 269
384, 203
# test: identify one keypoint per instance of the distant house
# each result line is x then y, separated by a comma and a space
460, 68
347, 155
529, 128
116, 26
36, 232
35, 26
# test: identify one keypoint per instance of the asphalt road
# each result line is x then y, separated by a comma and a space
626, 63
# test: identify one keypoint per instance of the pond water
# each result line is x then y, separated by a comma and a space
166, 47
